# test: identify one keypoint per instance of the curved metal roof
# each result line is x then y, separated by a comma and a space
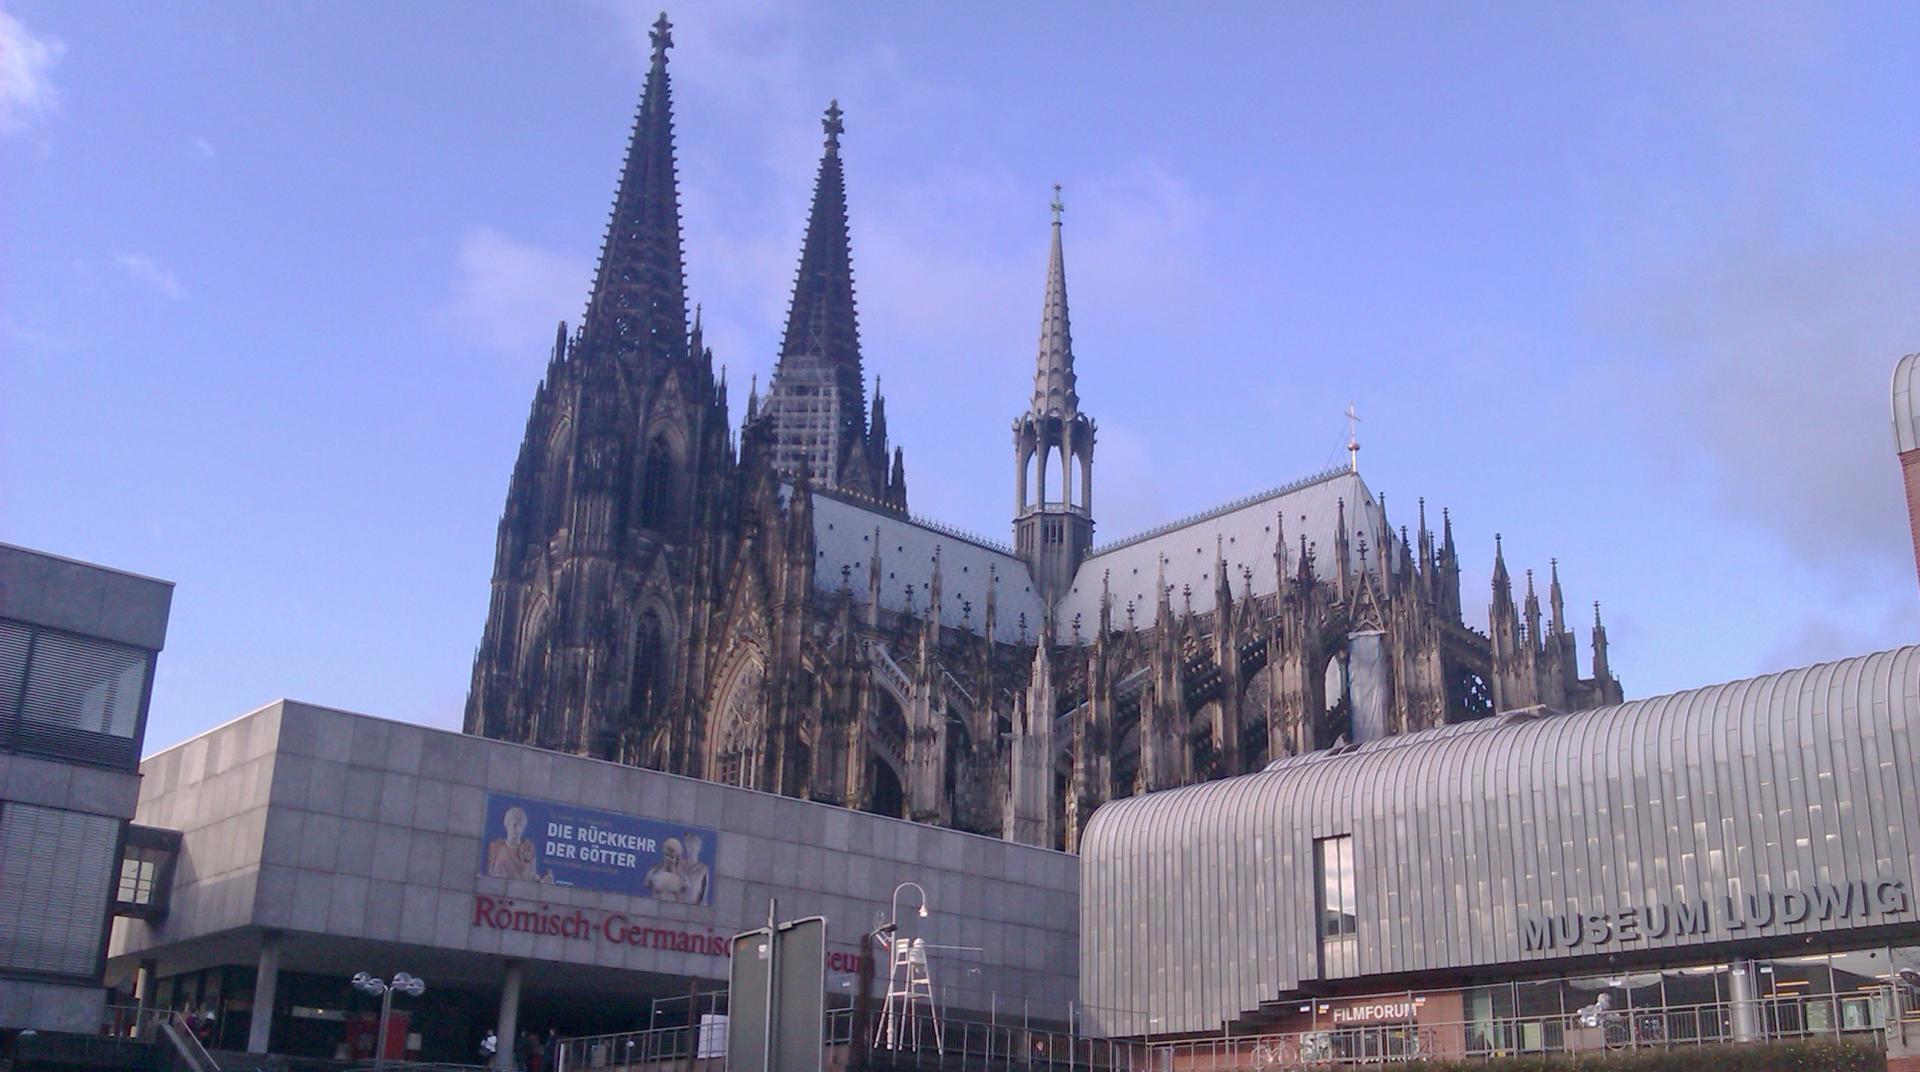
1906, 403
1198, 903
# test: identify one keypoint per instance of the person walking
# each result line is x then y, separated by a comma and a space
489, 1045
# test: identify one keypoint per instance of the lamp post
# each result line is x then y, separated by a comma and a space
888, 936
411, 986
895, 923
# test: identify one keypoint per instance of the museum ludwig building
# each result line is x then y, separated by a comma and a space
1737, 861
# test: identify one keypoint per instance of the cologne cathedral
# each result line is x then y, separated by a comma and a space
756, 604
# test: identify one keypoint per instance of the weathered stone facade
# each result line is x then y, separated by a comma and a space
765, 612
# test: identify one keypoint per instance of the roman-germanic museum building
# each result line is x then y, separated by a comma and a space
761, 608
536, 891
1745, 853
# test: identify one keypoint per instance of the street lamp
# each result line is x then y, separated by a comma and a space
909, 960
410, 985
895, 924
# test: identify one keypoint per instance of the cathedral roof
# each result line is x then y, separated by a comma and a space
1244, 533
843, 536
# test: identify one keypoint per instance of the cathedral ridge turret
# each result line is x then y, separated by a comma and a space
1054, 536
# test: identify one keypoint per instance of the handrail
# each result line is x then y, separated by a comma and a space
180, 1032
999, 1046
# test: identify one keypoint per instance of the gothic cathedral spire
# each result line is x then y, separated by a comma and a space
1053, 379
639, 300
1054, 535
599, 565
817, 402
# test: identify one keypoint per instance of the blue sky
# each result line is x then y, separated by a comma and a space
1622, 282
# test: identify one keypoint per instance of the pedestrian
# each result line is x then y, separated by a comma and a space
203, 1025
527, 1051
489, 1045
553, 1048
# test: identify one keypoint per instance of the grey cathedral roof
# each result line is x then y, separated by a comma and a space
1245, 533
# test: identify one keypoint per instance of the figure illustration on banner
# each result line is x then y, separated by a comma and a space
679, 875
514, 856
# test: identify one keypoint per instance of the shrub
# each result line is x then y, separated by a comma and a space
1818, 1056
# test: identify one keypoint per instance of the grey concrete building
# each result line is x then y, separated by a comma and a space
1730, 846
77, 650
317, 844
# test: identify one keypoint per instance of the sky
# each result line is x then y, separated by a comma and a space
1624, 283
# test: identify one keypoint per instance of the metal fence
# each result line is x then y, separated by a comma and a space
1868, 1015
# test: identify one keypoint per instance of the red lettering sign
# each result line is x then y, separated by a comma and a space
506, 914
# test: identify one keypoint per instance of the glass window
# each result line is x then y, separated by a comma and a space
1695, 999
1338, 908
71, 696
84, 684
136, 881
53, 891
1859, 980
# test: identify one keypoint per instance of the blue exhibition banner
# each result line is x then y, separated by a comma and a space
566, 845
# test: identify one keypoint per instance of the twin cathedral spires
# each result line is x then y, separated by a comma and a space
628, 494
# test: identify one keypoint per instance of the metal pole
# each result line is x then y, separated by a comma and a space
773, 945
380, 1041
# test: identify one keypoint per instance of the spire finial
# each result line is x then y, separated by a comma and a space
832, 125
662, 37
1054, 391
1353, 439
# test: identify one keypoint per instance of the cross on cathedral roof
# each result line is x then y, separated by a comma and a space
661, 35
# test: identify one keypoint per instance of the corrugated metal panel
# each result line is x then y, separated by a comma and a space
1199, 901
1906, 403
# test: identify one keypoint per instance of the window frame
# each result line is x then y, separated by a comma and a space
106, 750
1337, 946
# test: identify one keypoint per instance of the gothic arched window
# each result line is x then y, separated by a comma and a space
656, 484
736, 759
649, 669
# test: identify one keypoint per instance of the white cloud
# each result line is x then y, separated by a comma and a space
1770, 358
153, 275
507, 296
27, 94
